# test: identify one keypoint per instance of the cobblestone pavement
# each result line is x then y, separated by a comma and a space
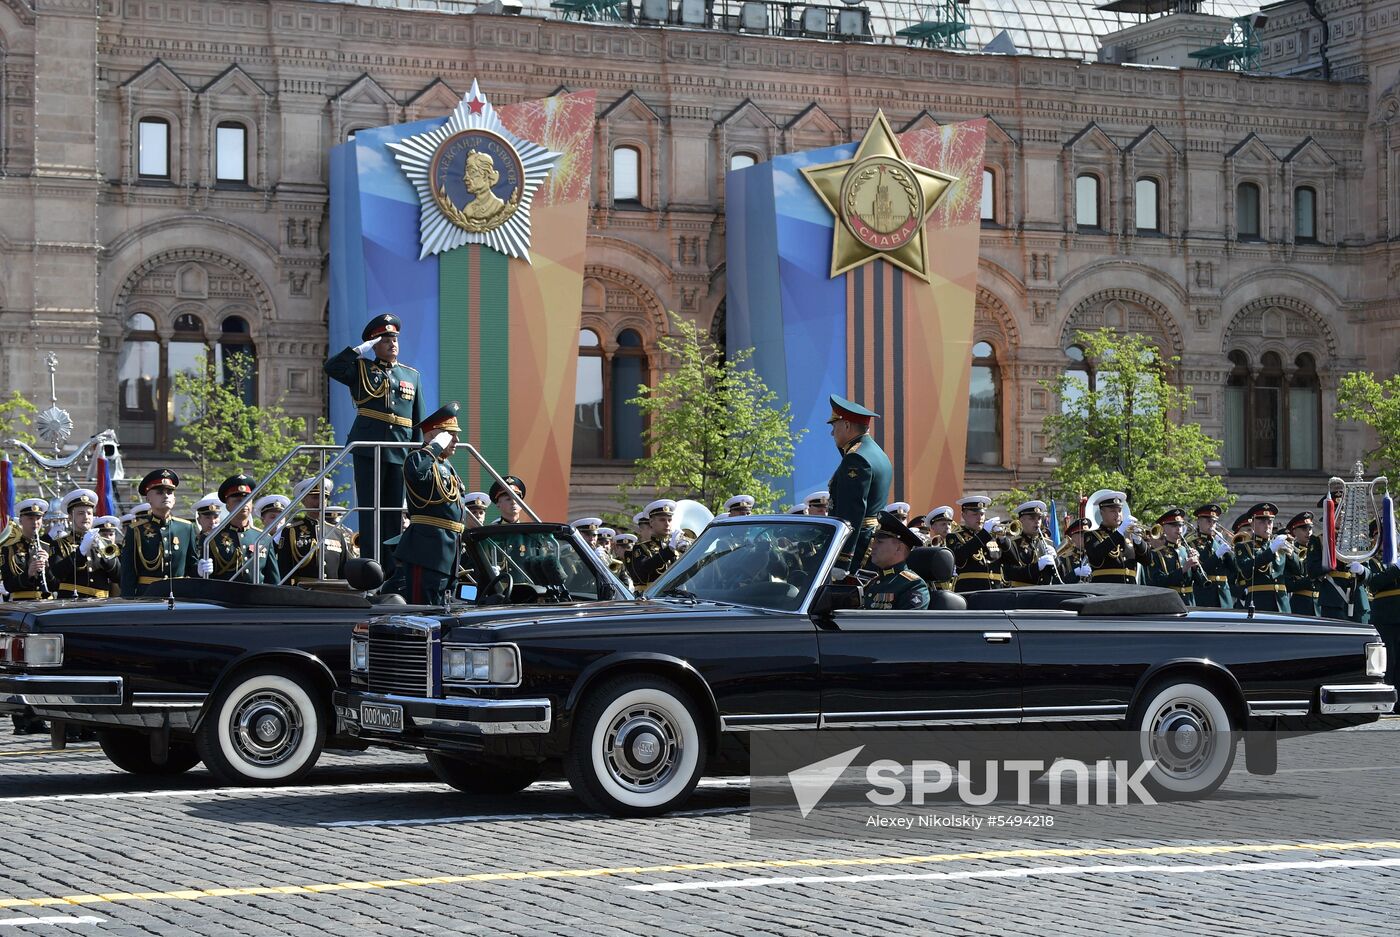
371, 844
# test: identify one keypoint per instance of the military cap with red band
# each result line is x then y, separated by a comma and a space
843, 409
237, 486
442, 420
387, 324
163, 478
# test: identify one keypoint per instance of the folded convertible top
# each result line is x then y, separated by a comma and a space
1084, 598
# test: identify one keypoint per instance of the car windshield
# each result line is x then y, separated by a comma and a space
761, 562
502, 556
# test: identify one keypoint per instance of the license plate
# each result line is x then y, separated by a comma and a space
387, 717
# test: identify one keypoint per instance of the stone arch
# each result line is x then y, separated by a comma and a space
1283, 324
628, 302
993, 315
1124, 310
256, 291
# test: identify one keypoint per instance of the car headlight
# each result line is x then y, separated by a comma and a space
32, 650
496, 664
359, 655
1375, 660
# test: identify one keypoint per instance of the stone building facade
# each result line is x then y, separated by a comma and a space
163, 194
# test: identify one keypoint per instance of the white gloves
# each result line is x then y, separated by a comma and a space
1123, 527
205, 568
840, 574
677, 540
441, 441
992, 522
89, 539
1221, 548
366, 349
1045, 561
1356, 568
57, 529
1083, 571
1278, 543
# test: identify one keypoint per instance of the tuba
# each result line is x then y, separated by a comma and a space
1356, 509
692, 518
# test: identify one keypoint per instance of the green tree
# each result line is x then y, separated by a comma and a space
1127, 433
713, 427
1363, 399
221, 433
16, 416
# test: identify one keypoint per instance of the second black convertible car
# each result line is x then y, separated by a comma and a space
637, 699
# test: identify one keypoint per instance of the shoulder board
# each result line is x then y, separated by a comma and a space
140, 522
907, 574
855, 447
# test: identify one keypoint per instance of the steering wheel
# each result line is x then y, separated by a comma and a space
499, 583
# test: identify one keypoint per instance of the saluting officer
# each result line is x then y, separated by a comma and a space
898, 587
1026, 562
861, 482
1299, 577
158, 545
1217, 560
299, 542
429, 549
1074, 561
239, 540
1263, 559
84, 560
1113, 555
657, 553
387, 408
24, 563
1175, 564
977, 553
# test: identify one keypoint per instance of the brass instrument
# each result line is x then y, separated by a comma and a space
1066, 546
1354, 515
692, 518
1013, 529
11, 533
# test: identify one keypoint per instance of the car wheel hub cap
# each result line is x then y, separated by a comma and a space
642, 748
1183, 738
266, 727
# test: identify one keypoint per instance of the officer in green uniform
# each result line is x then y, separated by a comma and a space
1217, 560
387, 408
159, 545
1302, 582
1341, 585
230, 547
1385, 612
1112, 552
1029, 559
84, 560
1074, 562
1175, 565
898, 587
24, 563
658, 552
861, 484
1263, 560
429, 550
303, 546
977, 552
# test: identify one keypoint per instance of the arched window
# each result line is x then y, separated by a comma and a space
153, 148
1305, 213
230, 152
1082, 370
1086, 201
1273, 415
1267, 416
1145, 205
984, 408
588, 397
1247, 211
989, 196
236, 359
742, 161
629, 370
187, 353
138, 376
627, 175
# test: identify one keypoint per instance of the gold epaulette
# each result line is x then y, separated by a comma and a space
910, 575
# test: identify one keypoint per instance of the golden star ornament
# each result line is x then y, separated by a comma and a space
880, 201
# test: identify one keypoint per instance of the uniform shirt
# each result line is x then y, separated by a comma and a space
387, 401
144, 552
300, 540
897, 588
1220, 573
977, 559
95, 576
1111, 556
1166, 569
649, 560
229, 549
434, 494
14, 558
1302, 584
1262, 571
859, 491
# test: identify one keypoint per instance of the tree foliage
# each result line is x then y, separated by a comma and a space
16, 416
1127, 433
1364, 399
223, 434
713, 429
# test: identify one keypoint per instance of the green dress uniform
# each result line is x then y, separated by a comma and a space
429, 549
860, 486
1341, 593
23, 587
897, 588
233, 545
95, 576
1219, 573
1112, 556
976, 558
157, 549
1263, 572
1166, 569
1304, 593
387, 408
302, 540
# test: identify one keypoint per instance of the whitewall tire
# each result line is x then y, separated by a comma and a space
1185, 727
262, 727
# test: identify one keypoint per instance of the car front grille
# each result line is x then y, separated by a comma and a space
401, 664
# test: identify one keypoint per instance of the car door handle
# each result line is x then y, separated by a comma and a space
997, 637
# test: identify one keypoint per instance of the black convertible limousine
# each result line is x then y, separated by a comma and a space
635, 700
240, 676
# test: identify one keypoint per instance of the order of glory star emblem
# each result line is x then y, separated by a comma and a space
880, 201
475, 180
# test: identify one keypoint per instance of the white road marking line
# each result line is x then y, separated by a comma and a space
230, 792
1032, 872
498, 817
1334, 770
51, 919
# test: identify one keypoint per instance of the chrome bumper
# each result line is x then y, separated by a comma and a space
434, 716
1356, 698
55, 690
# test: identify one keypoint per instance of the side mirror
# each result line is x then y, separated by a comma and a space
836, 597
466, 592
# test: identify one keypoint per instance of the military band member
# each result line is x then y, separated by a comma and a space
1304, 590
899, 509
268, 509
818, 503
230, 547
1263, 559
1074, 561
476, 503
1029, 558
1385, 612
428, 550
1217, 560
897, 587
1175, 564
158, 546
1239, 530
739, 506
84, 560
657, 553
977, 552
206, 514
300, 541
798, 509
607, 549
388, 407
1113, 554
24, 563
939, 520
1342, 588
861, 482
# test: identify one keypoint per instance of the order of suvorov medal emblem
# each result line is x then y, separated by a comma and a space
477, 180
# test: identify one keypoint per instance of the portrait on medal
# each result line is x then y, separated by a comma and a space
477, 180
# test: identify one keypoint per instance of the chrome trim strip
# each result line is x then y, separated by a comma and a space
774, 722
1092, 717
453, 723
168, 700
913, 718
1095, 707
1280, 707
1356, 698
28, 690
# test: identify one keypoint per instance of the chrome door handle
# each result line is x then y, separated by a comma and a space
997, 637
